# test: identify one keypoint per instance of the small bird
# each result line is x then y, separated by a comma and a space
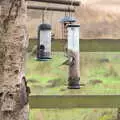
70, 61
67, 62
71, 58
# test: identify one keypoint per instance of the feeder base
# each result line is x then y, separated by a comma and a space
43, 59
74, 87
73, 83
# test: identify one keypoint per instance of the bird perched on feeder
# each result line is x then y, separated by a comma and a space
71, 60
68, 62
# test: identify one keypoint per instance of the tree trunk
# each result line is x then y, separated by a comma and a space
13, 44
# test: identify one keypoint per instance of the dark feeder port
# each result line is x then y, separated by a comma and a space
44, 42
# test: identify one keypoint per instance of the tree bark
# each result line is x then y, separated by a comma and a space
13, 44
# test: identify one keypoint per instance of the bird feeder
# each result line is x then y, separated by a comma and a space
44, 42
73, 54
66, 21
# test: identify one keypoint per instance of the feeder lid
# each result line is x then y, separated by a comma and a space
67, 19
45, 27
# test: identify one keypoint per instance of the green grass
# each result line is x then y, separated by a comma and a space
39, 73
73, 114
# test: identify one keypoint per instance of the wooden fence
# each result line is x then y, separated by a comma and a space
74, 101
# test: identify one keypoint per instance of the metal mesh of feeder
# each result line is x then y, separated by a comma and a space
44, 42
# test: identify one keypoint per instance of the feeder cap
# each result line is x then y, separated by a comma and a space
73, 25
67, 19
45, 27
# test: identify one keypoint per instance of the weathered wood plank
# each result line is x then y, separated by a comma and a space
88, 45
65, 2
50, 8
74, 101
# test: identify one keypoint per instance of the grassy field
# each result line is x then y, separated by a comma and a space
73, 114
99, 72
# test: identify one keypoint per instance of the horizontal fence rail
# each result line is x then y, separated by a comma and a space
50, 8
64, 2
88, 45
74, 101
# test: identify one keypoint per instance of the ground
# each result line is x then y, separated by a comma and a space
99, 73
